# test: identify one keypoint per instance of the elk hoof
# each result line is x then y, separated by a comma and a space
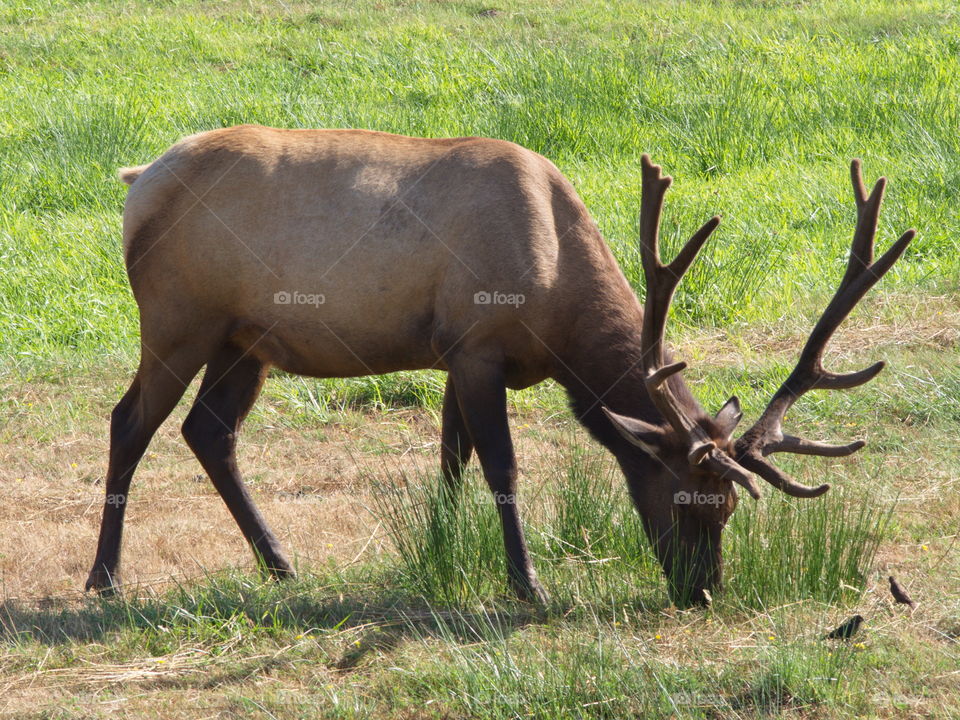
103, 583
531, 591
286, 573
280, 569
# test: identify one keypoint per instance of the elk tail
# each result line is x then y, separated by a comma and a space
130, 174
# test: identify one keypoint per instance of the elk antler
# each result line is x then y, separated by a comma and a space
766, 436
662, 281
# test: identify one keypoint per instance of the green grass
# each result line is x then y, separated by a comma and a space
371, 649
588, 542
756, 109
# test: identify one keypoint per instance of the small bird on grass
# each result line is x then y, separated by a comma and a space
847, 630
899, 594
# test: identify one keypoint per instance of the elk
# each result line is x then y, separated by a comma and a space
405, 245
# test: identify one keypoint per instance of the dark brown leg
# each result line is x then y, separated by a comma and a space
483, 404
155, 391
456, 446
230, 386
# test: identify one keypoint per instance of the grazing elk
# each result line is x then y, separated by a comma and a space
335, 253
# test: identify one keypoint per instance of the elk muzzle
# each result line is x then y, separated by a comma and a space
690, 553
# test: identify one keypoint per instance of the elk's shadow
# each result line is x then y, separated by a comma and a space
299, 606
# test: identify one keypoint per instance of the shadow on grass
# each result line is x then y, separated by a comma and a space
224, 604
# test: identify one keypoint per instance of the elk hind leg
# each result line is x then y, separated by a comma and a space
456, 447
231, 384
158, 386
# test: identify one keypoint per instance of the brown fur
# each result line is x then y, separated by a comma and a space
401, 281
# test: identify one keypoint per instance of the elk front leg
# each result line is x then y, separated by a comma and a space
482, 396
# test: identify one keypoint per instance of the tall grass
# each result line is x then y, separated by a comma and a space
448, 543
789, 549
587, 541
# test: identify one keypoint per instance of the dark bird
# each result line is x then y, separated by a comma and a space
899, 594
847, 630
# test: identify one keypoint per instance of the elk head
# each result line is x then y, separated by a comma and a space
682, 470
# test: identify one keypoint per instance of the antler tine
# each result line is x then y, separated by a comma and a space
654, 186
662, 281
779, 479
859, 187
868, 213
862, 273
801, 446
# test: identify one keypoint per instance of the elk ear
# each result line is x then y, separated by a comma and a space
729, 416
644, 435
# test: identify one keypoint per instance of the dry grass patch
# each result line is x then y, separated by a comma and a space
881, 324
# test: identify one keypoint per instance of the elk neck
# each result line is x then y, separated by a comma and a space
602, 367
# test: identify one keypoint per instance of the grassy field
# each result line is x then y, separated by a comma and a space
401, 611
